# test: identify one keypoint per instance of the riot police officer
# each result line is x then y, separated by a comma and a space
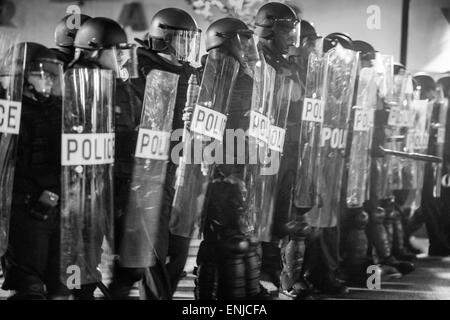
277, 27
171, 45
65, 32
31, 264
293, 282
102, 54
228, 259
322, 252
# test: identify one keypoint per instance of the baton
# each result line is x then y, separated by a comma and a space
191, 98
411, 155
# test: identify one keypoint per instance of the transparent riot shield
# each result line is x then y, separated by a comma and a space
312, 119
143, 211
437, 138
342, 65
87, 158
361, 140
417, 138
12, 64
193, 175
394, 119
262, 105
277, 131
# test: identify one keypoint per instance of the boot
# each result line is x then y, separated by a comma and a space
271, 263
293, 283
123, 281
398, 248
207, 280
232, 271
379, 239
389, 221
86, 292
328, 284
356, 246
29, 290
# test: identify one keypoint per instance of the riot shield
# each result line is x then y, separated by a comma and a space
361, 139
262, 106
437, 138
312, 119
207, 127
417, 138
277, 115
340, 82
12, 64
393, 121
143, 211
87, 157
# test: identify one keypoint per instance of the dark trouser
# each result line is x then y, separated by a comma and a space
32, 258
161, 280
437, 222
178, 254
322, 255
271, 261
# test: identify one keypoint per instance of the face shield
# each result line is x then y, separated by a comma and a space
182, 43
247, 47
12, 64
312, 44
242, 45
46, 78
185, 45
121, 59
292, 30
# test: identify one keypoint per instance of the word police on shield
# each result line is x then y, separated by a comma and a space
312, 110
208, 122
401, 118
259, 126
334, 137
441, 135
363, 120
276, 140
87, 149
152, 144
10, 112
417, 139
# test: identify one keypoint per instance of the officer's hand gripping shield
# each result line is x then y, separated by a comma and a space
87, 213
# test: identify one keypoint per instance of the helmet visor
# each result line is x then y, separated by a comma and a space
121, 59
45, 77
292, 28
12, 65
185, 45
312, 44
247, 47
